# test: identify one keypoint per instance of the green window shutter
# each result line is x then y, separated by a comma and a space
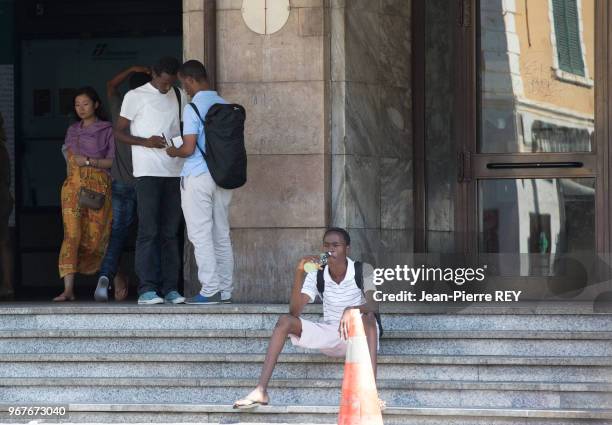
567, 32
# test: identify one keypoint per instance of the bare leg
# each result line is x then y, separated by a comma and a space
371, 330
68, 294
121, 286
286, 325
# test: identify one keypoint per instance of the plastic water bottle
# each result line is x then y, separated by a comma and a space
313, 266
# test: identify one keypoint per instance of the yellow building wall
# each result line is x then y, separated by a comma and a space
536, 61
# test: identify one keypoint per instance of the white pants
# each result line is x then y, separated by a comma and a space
206, 209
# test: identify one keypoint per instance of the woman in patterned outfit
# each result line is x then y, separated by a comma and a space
90, 149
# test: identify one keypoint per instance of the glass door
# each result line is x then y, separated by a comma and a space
533, 147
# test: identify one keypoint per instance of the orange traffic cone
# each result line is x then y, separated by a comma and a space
359, 404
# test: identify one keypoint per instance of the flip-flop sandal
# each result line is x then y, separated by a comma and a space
64, 298
250, 405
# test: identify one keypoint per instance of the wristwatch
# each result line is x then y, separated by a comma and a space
87, 161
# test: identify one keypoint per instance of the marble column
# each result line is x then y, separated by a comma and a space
282, 81
372, 178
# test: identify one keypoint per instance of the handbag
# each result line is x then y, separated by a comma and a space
90, 198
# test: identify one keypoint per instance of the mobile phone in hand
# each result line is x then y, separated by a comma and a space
168, 141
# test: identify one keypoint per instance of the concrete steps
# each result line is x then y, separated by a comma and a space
548, 317
500, 342
309, 366
407, 393
549, 364
308, 414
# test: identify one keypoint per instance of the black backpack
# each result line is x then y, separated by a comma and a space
358, 281
225, 155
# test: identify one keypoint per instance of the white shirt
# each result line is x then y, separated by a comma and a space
337, 296
152, 114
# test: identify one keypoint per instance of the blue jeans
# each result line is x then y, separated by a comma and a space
124, 211
158, 262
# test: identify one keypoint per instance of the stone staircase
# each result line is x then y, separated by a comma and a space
487, 364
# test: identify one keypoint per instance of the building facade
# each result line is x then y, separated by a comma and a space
374, 96
469, 127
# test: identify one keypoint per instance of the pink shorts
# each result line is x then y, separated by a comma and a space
320, 336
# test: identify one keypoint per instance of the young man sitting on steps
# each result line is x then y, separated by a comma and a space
340, 294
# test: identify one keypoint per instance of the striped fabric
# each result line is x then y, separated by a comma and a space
336, 296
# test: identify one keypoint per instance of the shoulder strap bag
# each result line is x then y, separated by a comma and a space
89, 198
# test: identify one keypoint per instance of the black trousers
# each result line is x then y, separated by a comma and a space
158, 261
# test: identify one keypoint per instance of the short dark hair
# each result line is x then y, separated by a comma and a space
92, 94
138, 79
168, 65
341, 232
194, 69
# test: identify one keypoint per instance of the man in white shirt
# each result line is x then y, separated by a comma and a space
150, 115
341, 294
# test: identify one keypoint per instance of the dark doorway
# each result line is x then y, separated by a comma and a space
62, 45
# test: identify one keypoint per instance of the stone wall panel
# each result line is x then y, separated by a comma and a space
265, 261
245, 56
362, 186
282, 118
396, 194
362, 44
395, 122
282, 191
193, 39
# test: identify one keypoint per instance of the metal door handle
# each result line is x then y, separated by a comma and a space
512, 165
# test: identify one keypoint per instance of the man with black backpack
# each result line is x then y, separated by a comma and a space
343, 285
213, 145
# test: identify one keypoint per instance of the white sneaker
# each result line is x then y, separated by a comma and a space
150, 298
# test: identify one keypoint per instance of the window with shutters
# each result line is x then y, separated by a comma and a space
568, 46
567, 32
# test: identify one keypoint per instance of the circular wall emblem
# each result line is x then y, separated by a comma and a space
265, 16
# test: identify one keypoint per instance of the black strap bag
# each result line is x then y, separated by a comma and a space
225, 155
